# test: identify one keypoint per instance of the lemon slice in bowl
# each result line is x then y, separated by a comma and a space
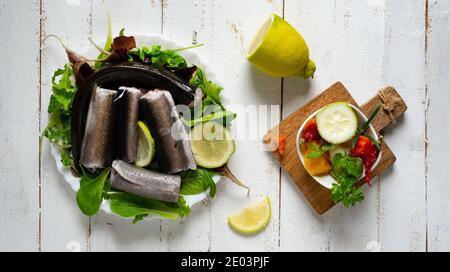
279, 50
337, 123
145, 147
253, 218
212, 144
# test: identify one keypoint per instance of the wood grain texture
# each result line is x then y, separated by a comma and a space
364, 44
437, 131
233, 26
19, 122
58, 199
402, 219
318, 196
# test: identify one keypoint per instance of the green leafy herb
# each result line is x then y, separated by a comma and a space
162, 58
63, 90
209, 88
90, 195
197, 181
167, 58
318, 150
137, 207
344, 191
346, 170
66, 157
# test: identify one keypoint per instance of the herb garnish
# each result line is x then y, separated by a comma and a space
346, 170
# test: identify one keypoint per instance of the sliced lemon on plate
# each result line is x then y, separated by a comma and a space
212, 144
253, 218
145, 146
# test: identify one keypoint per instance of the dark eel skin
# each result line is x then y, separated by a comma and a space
145, 183
98, 140
127, 118
115, 76
173, 149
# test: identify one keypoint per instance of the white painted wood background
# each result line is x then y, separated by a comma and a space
363, 43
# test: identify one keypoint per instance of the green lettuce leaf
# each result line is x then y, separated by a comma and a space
137, 207
58, 129
90, 195
197, 181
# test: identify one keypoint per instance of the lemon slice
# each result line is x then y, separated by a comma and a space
253, 218
212, 144
279, 50
337, 123
145, 146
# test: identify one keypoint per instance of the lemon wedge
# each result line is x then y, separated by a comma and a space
253, 218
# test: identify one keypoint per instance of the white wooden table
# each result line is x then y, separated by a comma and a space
363, 43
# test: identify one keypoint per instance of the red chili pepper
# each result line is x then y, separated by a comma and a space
367, 151
310, 132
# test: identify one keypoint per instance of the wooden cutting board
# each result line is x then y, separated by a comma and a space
318, 196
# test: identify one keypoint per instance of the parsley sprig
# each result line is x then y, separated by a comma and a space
346, 170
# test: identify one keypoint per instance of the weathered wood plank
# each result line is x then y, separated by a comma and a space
64, 227
438, 127
234, 24
402, 216
19, 134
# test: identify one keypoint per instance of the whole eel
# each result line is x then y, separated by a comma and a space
173, 149
97, 147
127, 118
145, 183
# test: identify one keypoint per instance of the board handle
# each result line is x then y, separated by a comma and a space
392, 107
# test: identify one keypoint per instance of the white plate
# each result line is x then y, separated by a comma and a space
191, 58
327, 180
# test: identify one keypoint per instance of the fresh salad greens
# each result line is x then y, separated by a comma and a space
90, 194
210, 89
58, 129
159, 58
346, 170
197, 181
133, 206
